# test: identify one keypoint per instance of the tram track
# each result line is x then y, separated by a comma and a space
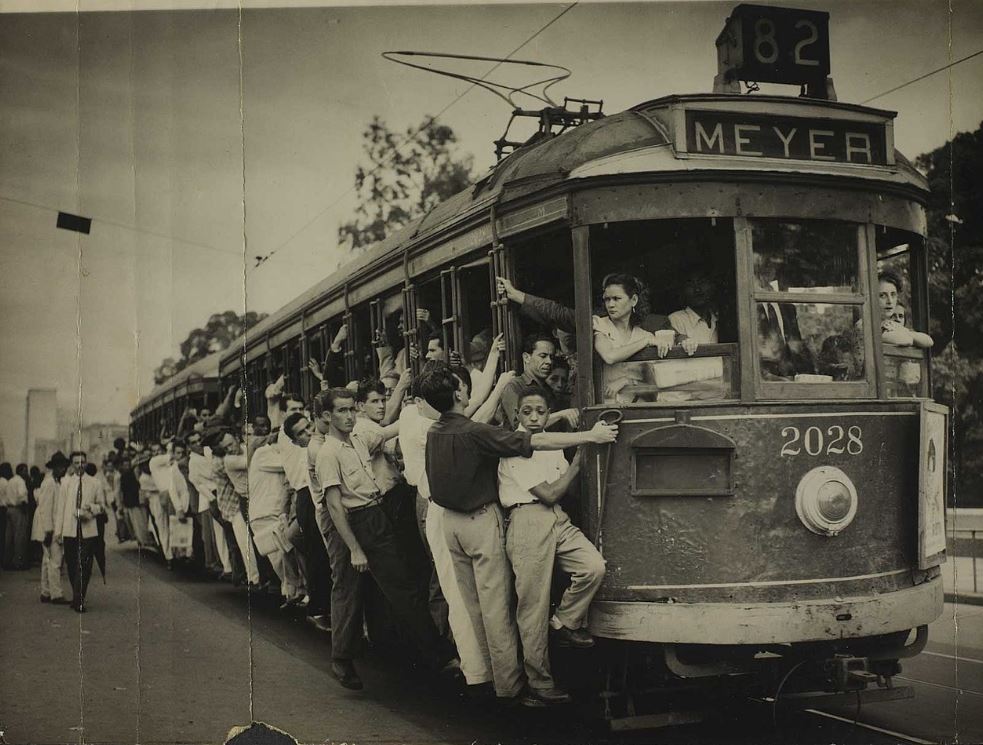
871, 727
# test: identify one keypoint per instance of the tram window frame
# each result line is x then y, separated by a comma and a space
727, 278
388, 305
748, 289
893, 244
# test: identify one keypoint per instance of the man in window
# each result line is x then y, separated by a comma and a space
782, 352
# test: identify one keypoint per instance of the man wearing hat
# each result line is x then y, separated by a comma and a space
43, 529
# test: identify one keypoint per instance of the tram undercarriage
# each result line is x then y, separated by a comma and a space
645, 685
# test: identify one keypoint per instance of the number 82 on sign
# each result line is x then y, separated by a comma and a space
774, 45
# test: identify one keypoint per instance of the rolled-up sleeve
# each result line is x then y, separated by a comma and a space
496, 442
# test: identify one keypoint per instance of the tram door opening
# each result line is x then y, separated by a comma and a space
543, 268
685, 273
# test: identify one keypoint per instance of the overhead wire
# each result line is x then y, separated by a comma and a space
132, 228
428, 122
922, 77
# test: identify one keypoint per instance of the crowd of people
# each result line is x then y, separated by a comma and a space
425, 507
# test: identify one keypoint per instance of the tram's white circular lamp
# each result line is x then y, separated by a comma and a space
826, 500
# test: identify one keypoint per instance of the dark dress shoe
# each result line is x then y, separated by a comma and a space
45, 598
576, 638
344, 673
537, 699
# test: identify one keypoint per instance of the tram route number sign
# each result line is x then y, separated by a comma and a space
774, 45
793, 138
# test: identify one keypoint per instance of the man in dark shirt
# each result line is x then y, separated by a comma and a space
462, 465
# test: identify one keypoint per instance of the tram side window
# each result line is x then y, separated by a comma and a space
678, 343
390, 347
903, 321
808, 302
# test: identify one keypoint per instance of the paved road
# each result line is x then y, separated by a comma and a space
162, 657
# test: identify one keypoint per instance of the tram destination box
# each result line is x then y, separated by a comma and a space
774, 45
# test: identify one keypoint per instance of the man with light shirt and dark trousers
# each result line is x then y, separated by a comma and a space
354, 501
462, 460
295, 436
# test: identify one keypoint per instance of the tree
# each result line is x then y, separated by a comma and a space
406, 175
218, 333
955, 253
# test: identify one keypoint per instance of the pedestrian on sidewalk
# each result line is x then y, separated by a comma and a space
43, 529
81, 501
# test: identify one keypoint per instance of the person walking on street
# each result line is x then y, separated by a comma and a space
43, 529
81, 501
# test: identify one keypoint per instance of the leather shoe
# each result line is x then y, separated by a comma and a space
539, 698
344, 672
45, 598
576, 638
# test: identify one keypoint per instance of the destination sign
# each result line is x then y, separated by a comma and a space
793, 138
774, 45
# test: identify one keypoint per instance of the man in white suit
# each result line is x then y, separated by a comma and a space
81, 499
43, 529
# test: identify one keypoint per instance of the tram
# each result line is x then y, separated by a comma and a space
195, 387
781, 524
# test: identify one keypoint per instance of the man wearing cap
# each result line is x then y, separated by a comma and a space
43, 529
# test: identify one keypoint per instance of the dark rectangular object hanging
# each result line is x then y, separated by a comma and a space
68, 221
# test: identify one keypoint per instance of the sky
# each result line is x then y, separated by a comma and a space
136, 119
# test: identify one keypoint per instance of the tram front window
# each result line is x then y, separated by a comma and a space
678, 343
808, 301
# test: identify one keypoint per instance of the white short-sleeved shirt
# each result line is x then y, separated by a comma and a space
413, 428
516, 476
690, 323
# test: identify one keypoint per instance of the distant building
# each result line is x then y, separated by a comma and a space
97, 440
41, 422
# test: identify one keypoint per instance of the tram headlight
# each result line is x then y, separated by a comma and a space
826, 500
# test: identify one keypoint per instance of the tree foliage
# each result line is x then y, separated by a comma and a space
216, 335
955, 254
404, 176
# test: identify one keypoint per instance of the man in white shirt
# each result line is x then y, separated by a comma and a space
201, 476
698, 320
236, 470
160, 504
539, 533
268, 509
81, 499
16, 528
293, 440
43, 529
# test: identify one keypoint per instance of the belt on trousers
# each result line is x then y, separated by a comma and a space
374, 503
521, 504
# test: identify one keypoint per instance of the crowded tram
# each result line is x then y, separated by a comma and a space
736, 284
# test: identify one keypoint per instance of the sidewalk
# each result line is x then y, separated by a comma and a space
959, 582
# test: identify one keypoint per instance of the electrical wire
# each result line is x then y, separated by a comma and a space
922, 77
260, 260
132, 228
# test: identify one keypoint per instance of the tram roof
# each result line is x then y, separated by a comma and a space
638, 140
204, 369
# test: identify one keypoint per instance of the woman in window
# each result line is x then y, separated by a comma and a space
618, 336
893, 327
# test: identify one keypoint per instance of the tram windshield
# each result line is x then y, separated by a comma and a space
808, 300
664, 327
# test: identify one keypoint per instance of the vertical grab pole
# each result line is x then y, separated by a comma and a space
350, 368
410, 330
